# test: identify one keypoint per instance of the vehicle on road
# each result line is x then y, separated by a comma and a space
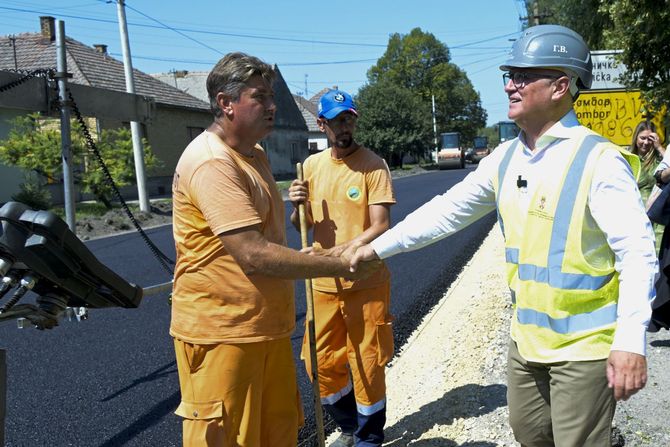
507, 130
479, 149
451, 154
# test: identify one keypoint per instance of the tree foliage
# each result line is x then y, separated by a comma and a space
34, 144
642, 30
393, 121
639, 28
410, 60
491, 132
414, 68
583, 16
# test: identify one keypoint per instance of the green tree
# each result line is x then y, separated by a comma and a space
639, 28
583, 16
34, 144
492, 133
457, 104
418, 63
409, 60
393, 121
642, 30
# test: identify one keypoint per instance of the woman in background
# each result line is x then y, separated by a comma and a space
647, 145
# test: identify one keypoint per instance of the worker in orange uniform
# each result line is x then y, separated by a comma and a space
233, 304
348, 192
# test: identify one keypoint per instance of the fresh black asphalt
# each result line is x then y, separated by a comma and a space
112, 380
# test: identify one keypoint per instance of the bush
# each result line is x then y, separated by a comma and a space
33, 194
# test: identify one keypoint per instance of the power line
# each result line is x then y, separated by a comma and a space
175, 30
485, 40
214, 33
301, 64
181, 31
209, 62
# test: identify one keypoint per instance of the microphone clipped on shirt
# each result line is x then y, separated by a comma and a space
521, 183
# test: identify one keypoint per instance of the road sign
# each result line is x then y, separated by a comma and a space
608, 108
606, 70
614, 114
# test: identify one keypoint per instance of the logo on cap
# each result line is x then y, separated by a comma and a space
335, 102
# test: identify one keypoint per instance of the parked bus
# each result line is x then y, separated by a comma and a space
451, 154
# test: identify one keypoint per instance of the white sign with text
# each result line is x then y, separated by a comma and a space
606, 70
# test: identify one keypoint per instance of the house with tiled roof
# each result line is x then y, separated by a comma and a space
192, 82
317, 140
288, 142
317, 96
178, 117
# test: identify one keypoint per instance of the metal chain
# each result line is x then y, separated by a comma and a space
160, 256
46, 72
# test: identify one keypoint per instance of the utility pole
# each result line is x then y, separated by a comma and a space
135, 129
306, 85
173, 72
434, 128
536, 13
66, 142
536, 17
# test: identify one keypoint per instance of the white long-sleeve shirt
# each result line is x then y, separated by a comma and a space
614, 205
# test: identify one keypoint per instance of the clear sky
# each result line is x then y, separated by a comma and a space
315, 44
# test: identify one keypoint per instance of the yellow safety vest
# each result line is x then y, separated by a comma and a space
560, 268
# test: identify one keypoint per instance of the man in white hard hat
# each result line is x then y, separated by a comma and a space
579, 248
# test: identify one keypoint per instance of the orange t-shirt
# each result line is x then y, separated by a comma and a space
340, 192
216, 189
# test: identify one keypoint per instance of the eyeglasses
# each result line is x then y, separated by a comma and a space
344, 119
521, 78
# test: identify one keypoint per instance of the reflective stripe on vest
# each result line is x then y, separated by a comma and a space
573, 323
553, 275
501, 174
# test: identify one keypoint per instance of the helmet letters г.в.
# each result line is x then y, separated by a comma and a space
552, 46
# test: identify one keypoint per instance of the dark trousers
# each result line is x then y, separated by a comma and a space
564, 404
368, 430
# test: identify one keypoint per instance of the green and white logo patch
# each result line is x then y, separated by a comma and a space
354, 193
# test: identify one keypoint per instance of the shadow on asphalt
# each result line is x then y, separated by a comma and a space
152, 417
455, 404
157, 374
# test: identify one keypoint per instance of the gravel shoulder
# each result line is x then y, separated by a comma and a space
448, 387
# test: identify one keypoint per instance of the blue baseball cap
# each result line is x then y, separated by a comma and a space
335, 102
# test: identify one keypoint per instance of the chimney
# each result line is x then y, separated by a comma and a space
100, 48
48, 27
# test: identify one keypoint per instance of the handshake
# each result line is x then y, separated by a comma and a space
358, 260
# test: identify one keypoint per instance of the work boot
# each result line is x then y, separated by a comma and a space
345, 440
343, 411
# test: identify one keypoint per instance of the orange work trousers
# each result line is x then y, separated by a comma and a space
242, 394
353, 333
